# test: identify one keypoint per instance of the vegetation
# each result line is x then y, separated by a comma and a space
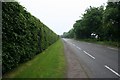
23, 37
98, 23
49, 64
107, 43
69, 34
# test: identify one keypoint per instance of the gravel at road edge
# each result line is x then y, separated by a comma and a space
74, 68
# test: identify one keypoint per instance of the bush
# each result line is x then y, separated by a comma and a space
24, 36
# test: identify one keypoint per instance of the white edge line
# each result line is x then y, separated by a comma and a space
89, 54
112, 70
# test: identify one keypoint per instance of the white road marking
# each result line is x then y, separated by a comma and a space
89, 54
112, 48
73, 44
76, 46
79, 48
83, 51
112, 70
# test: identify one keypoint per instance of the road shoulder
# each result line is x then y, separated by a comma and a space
74, 68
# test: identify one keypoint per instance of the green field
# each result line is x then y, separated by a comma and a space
48, 64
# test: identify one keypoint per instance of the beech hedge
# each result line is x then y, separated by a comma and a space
23, 36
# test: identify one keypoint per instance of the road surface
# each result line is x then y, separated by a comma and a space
88, 60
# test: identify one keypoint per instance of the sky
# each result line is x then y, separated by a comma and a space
59, 15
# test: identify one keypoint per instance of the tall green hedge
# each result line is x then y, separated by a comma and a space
23, 36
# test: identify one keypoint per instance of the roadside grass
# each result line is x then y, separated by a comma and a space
48, 64
107, 43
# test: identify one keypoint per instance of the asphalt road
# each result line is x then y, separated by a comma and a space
95, 61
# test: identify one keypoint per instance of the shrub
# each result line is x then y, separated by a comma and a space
24, 36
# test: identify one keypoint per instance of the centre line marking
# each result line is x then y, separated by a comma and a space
89, 54
79, 48
73, 44
112, 70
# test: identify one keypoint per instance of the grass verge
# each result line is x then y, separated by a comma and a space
107, 43
48, 64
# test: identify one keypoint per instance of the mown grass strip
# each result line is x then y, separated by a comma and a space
48, 64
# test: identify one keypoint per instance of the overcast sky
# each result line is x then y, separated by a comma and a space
59, 15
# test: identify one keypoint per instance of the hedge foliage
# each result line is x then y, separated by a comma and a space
23, 35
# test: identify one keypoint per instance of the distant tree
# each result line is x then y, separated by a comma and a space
69, 34
111, 21
79, 29
103, 23
91, 22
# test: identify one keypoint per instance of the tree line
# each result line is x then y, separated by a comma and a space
23, 36
98, 22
